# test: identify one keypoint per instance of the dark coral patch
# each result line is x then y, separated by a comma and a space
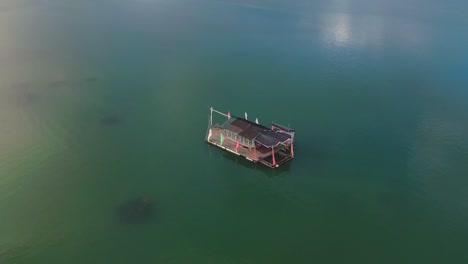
58, 83
91, 79
110, 120
27, 98
136, 211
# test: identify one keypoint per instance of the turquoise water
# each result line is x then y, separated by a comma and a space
103, 102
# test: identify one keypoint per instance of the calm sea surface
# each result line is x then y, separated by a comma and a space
106, 101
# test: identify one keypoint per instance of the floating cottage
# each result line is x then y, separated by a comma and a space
257, 143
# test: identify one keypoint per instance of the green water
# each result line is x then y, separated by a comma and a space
102, 102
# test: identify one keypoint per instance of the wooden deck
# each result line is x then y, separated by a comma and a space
263, 154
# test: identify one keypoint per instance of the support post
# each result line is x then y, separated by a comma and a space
211, 117
273, 156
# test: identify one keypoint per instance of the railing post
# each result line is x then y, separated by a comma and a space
211, 116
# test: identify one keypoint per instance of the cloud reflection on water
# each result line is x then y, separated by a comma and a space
338, 31
342, 25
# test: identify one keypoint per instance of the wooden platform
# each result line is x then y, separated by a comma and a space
264, 155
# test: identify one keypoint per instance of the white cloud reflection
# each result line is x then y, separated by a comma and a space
337, 30
339, 24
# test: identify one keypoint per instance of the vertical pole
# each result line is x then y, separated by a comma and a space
255, 153
273, 156
292, 149
211, 116
209, 134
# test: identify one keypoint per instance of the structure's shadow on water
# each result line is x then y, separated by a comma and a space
136, 211
258, 167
